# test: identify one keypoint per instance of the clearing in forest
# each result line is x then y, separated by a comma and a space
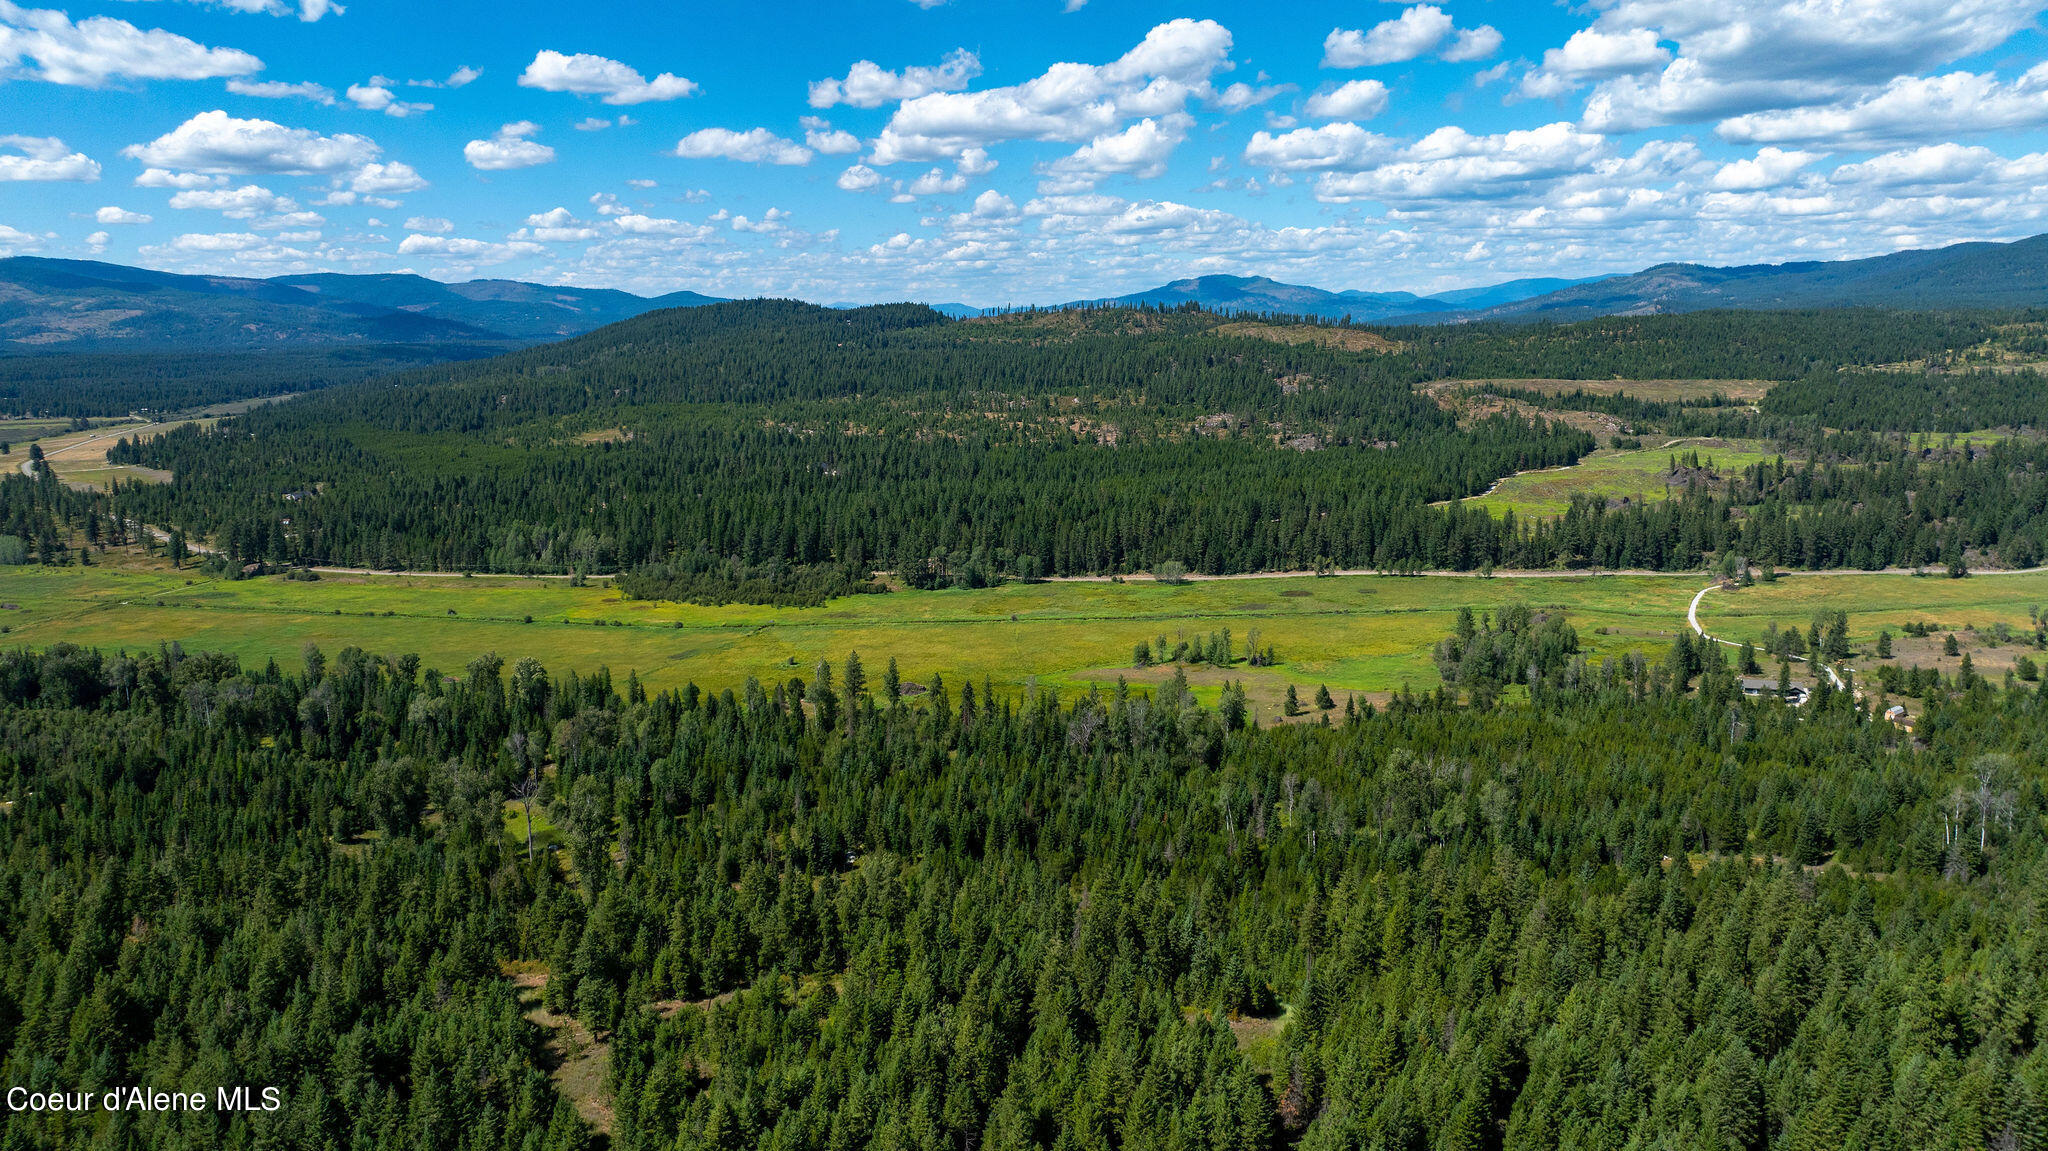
1645, 475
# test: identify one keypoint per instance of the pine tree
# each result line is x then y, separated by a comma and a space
1733, 1098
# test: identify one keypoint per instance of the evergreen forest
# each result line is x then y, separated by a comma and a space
1635, 909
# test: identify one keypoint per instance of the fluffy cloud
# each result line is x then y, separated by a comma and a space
1953, 169
376, 96
821, 137
588, 75
244, 203
43, 158
869, 85
1909, 109
1239, 96
14, 240
467, 251
306, 10
858, 178
101, 48
217, 142
1140, 150
773, 220
158, 178
1593, 54
114, 215
393, 178
1405, 37
279, 90
1358, 100
1069, 102
1473, 44
753, 146
1743, 56
1769, 168
1451, 163
508, 148
636, 224
1333, 146
554, 226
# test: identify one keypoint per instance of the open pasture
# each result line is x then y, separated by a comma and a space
1641, 476
1357, 634
1972, 609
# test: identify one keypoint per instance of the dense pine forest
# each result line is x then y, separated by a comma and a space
778, 452
817, 914
118, 383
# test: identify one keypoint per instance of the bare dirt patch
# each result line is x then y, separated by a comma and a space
578, 1060
1664, 391
1349, 339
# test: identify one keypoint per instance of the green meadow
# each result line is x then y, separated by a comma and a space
1639, 476
1365, 635
1362, 634
1876, 603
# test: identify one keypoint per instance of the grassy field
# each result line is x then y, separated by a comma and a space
1970, 608
1365, 634
1358, 634
1657, 391
1638, 476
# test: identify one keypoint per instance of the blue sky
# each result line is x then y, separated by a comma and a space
1010, 151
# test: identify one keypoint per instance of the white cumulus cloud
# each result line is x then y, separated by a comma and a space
1908, 109
753, 146
1769, 168
1069, 102
279, 90
244, 203
39, 158
869, 85
508, 148
376, 96
1358, 100
588, 75
1412, 33
100, 48
217, 142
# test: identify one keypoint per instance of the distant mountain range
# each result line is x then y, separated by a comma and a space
1260, 294
1960, 276
78, 305
1977, 275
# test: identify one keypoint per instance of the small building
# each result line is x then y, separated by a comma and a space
1794, 695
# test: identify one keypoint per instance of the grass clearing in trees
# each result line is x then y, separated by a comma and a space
1359, 635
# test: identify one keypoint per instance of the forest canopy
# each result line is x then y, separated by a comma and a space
818, 915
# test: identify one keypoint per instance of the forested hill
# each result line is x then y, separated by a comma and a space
781, 436
1975, 275
811, 916
783, 432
